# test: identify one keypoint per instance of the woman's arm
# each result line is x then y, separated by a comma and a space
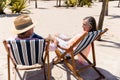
77, 38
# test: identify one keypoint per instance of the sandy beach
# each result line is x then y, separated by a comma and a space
50, 20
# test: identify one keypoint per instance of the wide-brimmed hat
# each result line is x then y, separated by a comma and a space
22, 24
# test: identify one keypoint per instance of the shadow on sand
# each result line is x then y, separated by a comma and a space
35, 74
116, 44
90, 73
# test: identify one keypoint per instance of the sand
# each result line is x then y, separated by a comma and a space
50, 20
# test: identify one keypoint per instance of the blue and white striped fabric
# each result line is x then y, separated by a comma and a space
27, 52
86, 41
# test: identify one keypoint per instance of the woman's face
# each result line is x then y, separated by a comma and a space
86, 26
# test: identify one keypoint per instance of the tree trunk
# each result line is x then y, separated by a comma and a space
102, 14
106, 11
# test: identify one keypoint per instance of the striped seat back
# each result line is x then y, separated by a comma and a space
27, 52
87, 40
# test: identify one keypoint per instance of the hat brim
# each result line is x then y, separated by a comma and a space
15, 31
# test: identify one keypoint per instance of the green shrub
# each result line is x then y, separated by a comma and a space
80, 3
2, 6
19, 6
71, 3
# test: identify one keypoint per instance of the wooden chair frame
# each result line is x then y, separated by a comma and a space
46, 51
72, 65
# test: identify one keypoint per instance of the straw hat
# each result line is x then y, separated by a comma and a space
23, 23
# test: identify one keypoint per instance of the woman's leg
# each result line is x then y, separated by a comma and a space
85, 52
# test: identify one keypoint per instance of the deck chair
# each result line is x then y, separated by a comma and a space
86, 39
28, 53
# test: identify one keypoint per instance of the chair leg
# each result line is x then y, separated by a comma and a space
58, 57
47, 77
44, 72
48, 67
8, 60
15, 71
72, 68
93, 66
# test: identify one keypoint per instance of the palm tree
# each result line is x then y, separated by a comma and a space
102, 14
106, 12
2, 6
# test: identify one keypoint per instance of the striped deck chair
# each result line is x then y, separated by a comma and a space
86, 39
28, 53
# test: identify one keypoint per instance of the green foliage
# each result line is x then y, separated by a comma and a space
19, 6
16, 6
71, 3
80, 3
2, 6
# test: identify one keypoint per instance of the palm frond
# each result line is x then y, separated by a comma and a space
19, 5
